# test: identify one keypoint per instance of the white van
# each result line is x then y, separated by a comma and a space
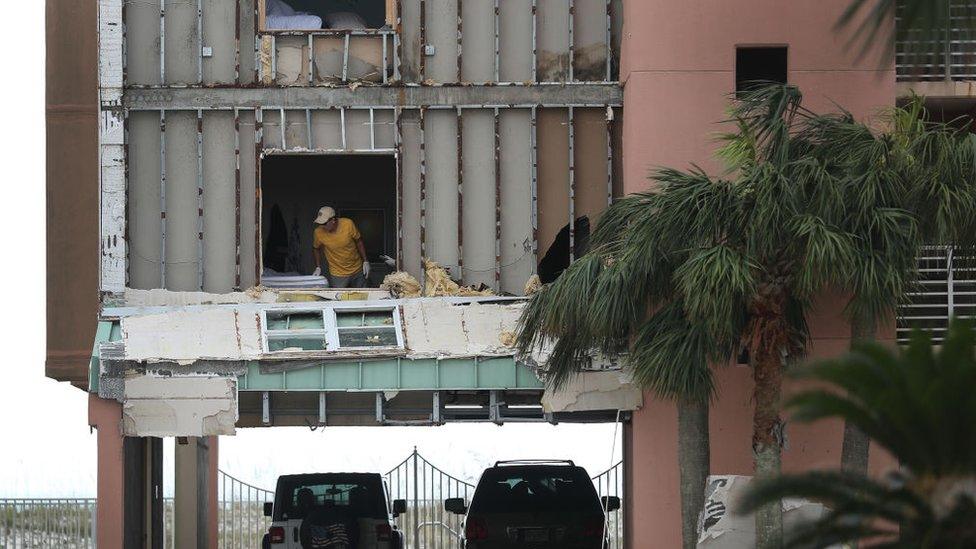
333, 511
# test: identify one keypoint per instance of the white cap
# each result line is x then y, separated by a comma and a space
325, 214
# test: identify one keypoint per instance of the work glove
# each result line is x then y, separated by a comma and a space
317, 271
390, 262
366, 269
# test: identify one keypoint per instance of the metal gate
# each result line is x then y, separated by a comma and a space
240, 512
426, 525
424, 486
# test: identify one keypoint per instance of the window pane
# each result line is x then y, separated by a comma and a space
368, 337
278, 320
302, 343
371, 318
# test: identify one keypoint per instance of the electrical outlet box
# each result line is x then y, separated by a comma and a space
429, 50
207, 51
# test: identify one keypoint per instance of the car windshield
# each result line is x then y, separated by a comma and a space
534, 489
356, 495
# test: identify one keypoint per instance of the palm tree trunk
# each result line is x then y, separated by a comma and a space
693, 465
856, 448
767, 374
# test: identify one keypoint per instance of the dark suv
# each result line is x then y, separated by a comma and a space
534, 504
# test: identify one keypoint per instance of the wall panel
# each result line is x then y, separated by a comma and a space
144, 207
590, 40
478, 205
248, 199
142, 42
552, 30
327, 129
517, 258
219, 28
441, 187
552, 132
590, 162
478, 41
515, 40
410, 157
182, 205
182, 55
441, 25
219, 202
410, 40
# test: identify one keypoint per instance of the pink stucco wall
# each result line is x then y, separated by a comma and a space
678, 68
106, 417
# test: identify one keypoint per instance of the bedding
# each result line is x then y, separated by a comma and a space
281, 16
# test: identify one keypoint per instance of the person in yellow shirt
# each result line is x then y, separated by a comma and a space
337, 240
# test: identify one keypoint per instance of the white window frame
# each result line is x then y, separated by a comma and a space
330, 328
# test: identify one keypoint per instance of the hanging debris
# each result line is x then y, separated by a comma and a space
401, 284
439, 284
532, 285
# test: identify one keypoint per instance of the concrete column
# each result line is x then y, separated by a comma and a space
106, 417
196, 492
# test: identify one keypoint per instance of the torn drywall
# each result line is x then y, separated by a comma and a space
438, 328
179, 406
230, 334
597, 390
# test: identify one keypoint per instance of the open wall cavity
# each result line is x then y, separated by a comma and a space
221, 42
485, 192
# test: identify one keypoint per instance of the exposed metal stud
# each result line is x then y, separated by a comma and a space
572, 12
311, 59
237, 199
609, 156
535, 41
460, 193
345, 58
282, 129
423, 41
380, 416
162, 42
398, 140
497, 46
308, 129
200, 199
460, 25
274, 59
494, 408
342, 126
534, 184
609, 41
372, 130
200, 41
385, 62
397, 53
237, 44
572, 185
322, 403
423, 184
265, 408
162, 198
498, 204
258, 152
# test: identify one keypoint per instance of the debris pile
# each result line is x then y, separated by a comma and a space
438, 283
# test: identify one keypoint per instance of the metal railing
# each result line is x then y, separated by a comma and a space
240, 512
47, 522
947, 54
611, 483
946, 288
424, 486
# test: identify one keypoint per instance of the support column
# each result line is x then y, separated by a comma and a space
196, 492
106, 417
652, 487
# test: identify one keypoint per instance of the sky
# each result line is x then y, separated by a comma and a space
46, 446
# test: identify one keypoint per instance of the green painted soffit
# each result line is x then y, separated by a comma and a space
495, 373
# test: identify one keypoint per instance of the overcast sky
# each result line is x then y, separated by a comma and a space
46, 449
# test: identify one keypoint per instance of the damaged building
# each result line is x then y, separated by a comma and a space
473, 142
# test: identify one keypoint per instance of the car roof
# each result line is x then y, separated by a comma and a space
326, 476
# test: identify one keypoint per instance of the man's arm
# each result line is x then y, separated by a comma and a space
362, 249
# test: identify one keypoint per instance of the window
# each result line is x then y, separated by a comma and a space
314, 15
755, 66
359, 187
332, 329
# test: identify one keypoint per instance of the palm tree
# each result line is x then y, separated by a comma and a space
702, 268
917, 403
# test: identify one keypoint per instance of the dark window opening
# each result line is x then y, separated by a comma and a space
759, 66
325, 14
361, 188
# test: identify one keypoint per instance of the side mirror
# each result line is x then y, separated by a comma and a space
268, 507
399, 507
610, 503
455, 505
